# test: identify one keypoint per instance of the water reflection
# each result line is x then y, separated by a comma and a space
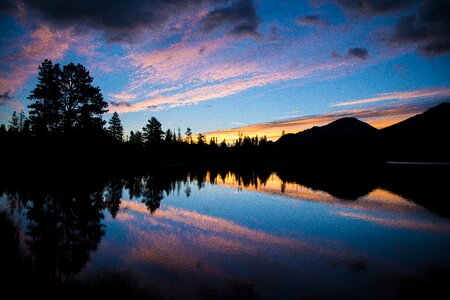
216, 233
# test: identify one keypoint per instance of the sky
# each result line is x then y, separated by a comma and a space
223, 67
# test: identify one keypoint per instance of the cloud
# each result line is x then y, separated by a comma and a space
120, 103
5, 96
226, 84
428, 29
28, 52
407, 95
360, 53
241, 16
372, 7
120, 20
312, 20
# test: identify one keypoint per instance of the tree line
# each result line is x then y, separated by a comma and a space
65, 102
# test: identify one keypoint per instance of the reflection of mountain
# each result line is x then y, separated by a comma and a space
340, 184
422, 137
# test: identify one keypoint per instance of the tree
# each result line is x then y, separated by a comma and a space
152, 132
82, 103
2, 129
13, 125
22, 119
189, 135
64, 100
201, 139
46, 99
115, 128
136, 138
168, 138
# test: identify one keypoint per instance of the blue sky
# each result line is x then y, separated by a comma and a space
257, 67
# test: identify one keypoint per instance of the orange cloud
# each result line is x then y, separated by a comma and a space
378, 117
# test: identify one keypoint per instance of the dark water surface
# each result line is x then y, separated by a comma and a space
228, 235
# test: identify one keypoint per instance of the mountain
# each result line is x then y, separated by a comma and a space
341, 131
342, 139
421, 137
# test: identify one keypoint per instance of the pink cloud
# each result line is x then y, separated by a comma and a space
406, 95
399, 223
40, 44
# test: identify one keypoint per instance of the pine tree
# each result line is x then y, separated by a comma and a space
83, 104
168, 136
46, 99
189, 135
13, 125
153, 132
115, 128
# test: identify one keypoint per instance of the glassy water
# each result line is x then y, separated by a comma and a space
229, 235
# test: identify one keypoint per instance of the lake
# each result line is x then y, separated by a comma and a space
229, 234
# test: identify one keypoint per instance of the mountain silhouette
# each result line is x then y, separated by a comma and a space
341, 131
421, 137
341, 139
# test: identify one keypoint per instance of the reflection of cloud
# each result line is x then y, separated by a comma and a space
407, 95
228, 237
378, 117
399, 223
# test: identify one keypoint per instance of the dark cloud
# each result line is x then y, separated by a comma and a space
360, 53
372, 7
6, 6
312, 20
119, 103
5, 98
241, 16
429, 28
120, 20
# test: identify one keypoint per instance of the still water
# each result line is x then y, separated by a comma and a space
224, 235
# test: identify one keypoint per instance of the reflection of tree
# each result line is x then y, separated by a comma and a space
64, 227
152, 193
113, 195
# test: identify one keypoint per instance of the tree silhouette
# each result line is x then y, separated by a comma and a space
46, 96
115, 128
13, 125
189, 135
136, 138
2, 129
22, 120
153, 132
168, 137
82, 103
201, 139
64, 100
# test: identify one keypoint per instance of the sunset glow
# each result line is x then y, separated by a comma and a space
241, 66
